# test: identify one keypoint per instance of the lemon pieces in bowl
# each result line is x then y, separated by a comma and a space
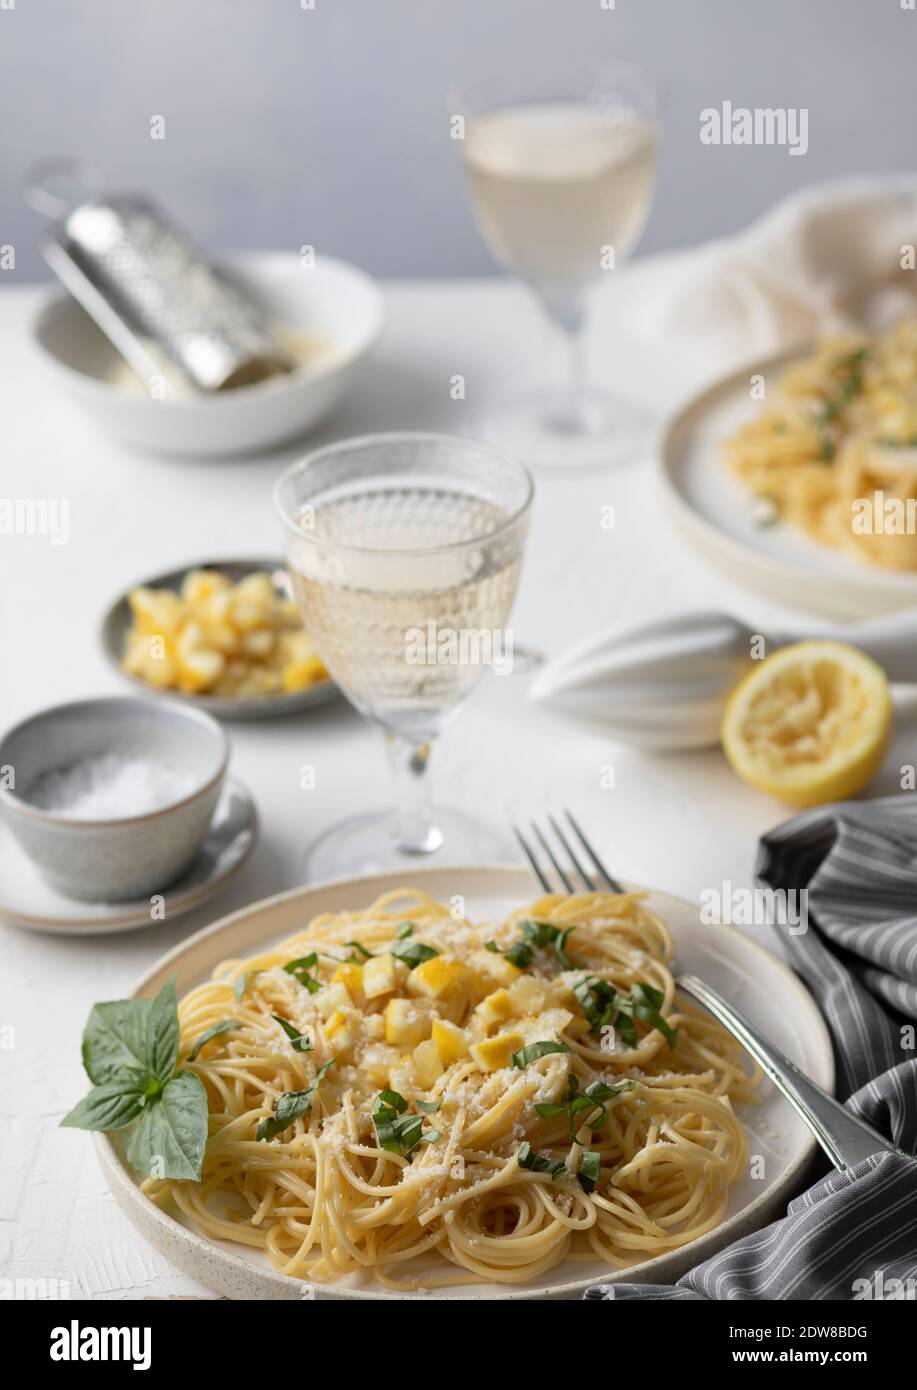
810, 724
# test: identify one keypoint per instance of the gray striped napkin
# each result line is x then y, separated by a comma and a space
852, 1235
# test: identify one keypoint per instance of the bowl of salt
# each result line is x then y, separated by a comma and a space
112, 798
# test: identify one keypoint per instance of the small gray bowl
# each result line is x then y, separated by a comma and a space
130, 856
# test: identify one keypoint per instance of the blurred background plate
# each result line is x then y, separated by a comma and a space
118, 620
716, 512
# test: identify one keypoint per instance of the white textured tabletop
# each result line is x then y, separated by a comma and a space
682, 823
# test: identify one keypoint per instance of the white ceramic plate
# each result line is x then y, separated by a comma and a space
763, 988
27, 901
333, 307
118, 619
715, 511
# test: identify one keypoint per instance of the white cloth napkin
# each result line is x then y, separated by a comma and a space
821, 261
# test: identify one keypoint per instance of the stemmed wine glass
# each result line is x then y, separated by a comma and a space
561, 173
404, 553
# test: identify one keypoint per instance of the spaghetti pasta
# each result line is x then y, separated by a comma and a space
501, 1097
836, 455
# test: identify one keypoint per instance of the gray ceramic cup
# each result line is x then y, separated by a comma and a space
130, 856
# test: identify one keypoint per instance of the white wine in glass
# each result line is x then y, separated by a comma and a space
404, 553
561, 176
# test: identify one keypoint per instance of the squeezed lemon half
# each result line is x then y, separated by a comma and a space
810, 724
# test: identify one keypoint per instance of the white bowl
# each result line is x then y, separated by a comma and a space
129, 856
337, 309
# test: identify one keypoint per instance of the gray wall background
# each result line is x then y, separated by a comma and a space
329, 126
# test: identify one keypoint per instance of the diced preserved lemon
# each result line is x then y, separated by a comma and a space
528, 996
405, 1025
438, 977
496, 1008
377, 1061
350, 975
331, 998
379, 976
451, 1041
493, 969
491, 1054
427, 1063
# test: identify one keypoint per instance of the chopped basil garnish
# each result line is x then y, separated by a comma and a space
405, 930
300, 969
526, 1157
242, 984
413, 953
589, 1101
358, 946
534, 1051
541, 936
289, 1107
299, 1040
224, 1026
398, 1132
428, 1107
590, 1168
603, 1006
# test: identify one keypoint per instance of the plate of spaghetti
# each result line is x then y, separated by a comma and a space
798, 475
458, 1089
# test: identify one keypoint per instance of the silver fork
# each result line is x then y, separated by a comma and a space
845, 1139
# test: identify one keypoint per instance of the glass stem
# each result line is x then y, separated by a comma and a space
410, 759
568, 410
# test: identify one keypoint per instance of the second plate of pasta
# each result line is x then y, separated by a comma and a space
776, 472
463, 1088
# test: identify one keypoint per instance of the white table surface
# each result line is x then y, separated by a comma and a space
681, 823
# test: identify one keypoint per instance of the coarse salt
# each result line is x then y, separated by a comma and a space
108, 786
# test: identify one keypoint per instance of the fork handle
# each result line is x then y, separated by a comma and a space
845, 1139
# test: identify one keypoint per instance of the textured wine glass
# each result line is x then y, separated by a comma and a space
561, 170
404, 553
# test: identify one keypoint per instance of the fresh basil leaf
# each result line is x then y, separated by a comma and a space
115, 1040
107, 1107
413, 953
225, 1025
358, 946
534, 1051
132, 1037
169, 1138
492, 946
163, 1033
404, 931
590, 1169
427, 1107
299, 1041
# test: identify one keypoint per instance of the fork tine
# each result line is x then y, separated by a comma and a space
535, 866
603, 873
571, 853
562, 874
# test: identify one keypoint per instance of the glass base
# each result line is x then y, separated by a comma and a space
553, 435
370, 843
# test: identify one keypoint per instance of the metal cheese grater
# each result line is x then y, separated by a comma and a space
150, 289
